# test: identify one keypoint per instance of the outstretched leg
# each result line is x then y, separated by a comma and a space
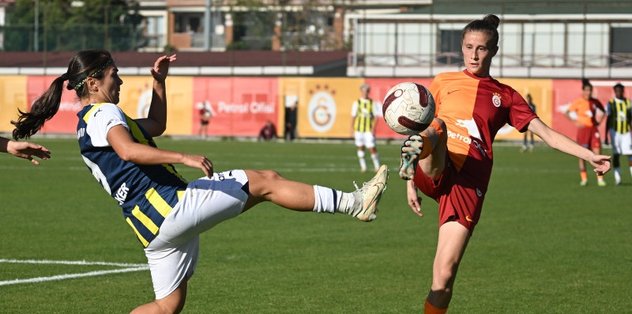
268, 185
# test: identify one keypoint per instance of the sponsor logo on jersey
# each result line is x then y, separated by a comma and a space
121, 193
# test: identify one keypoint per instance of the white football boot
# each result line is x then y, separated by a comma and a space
367, 197
410, 152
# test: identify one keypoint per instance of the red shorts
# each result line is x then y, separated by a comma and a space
458, 196
588, 137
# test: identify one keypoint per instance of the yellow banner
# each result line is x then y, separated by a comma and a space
12, 97
541, 92
135, 99
324, 104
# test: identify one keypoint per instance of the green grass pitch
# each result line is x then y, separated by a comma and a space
544, 244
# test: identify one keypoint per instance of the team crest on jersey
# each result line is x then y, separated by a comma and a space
496, 100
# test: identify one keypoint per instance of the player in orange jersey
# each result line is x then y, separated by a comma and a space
451, 161
587, 112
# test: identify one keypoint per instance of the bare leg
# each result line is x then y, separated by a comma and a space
173, 303
268, 185
451, 244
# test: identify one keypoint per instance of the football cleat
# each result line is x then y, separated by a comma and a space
368, 196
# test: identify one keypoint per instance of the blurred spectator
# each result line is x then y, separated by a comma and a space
290, 121
268, 132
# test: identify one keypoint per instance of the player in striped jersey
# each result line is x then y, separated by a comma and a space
363, 113
24, 150
166, 212
455, 154
619, 129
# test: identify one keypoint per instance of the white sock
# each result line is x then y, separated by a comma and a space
361, 160
328, 200
376, 161
631, 170
617, 175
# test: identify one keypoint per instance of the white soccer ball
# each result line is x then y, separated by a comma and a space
408, 108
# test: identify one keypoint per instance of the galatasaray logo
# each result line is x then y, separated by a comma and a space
496, 100
321, 110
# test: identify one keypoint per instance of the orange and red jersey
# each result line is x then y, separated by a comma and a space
474, 109
586, 110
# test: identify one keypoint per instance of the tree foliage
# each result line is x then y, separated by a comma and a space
103, 24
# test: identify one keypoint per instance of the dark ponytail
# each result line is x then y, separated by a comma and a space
43, 109
85, 64
489, 24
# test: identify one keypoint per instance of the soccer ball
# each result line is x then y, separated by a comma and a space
408, 108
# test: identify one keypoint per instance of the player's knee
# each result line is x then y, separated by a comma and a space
270, 175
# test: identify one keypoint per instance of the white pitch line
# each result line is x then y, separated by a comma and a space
128, 267
71, 276
86, 263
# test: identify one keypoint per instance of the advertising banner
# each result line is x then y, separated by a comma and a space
135, 98
65, 120
541, 91
239, 106
12, 98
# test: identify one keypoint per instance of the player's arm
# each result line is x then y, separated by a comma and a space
24, 150
125, 147
156, 122
556, 140
414, 201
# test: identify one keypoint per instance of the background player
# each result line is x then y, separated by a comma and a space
455, 152
363, 113
619, 129
587, 112
527, 141
167, 214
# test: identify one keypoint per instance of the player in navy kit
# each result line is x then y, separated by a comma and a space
166, 212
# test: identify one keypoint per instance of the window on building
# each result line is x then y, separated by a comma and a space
620, 45
449, 47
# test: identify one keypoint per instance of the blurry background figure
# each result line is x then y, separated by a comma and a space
619, 129
587, 112
526, 144
268, 132
206, 113
363, 113
144, 101
290, 121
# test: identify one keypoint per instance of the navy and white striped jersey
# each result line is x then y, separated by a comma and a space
146, 193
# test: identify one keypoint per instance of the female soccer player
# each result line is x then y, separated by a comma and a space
24, 150
455, 155
167, 214
587, 112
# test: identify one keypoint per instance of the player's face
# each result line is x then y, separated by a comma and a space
478, 52
110, 85
587, 92
618, 92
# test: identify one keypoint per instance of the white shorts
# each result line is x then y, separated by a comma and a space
364, 139
172, 255
621, 143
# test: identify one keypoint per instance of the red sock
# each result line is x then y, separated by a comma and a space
431, 309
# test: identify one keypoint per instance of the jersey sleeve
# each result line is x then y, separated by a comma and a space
435, 90
354, 109
101, 121
520, 114
377, 109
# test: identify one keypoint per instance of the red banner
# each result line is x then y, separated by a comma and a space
65, 121
240, 106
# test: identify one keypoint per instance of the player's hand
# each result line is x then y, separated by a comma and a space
414, 200
161, 67
27, 151
601, 163
413, 145
200, 162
